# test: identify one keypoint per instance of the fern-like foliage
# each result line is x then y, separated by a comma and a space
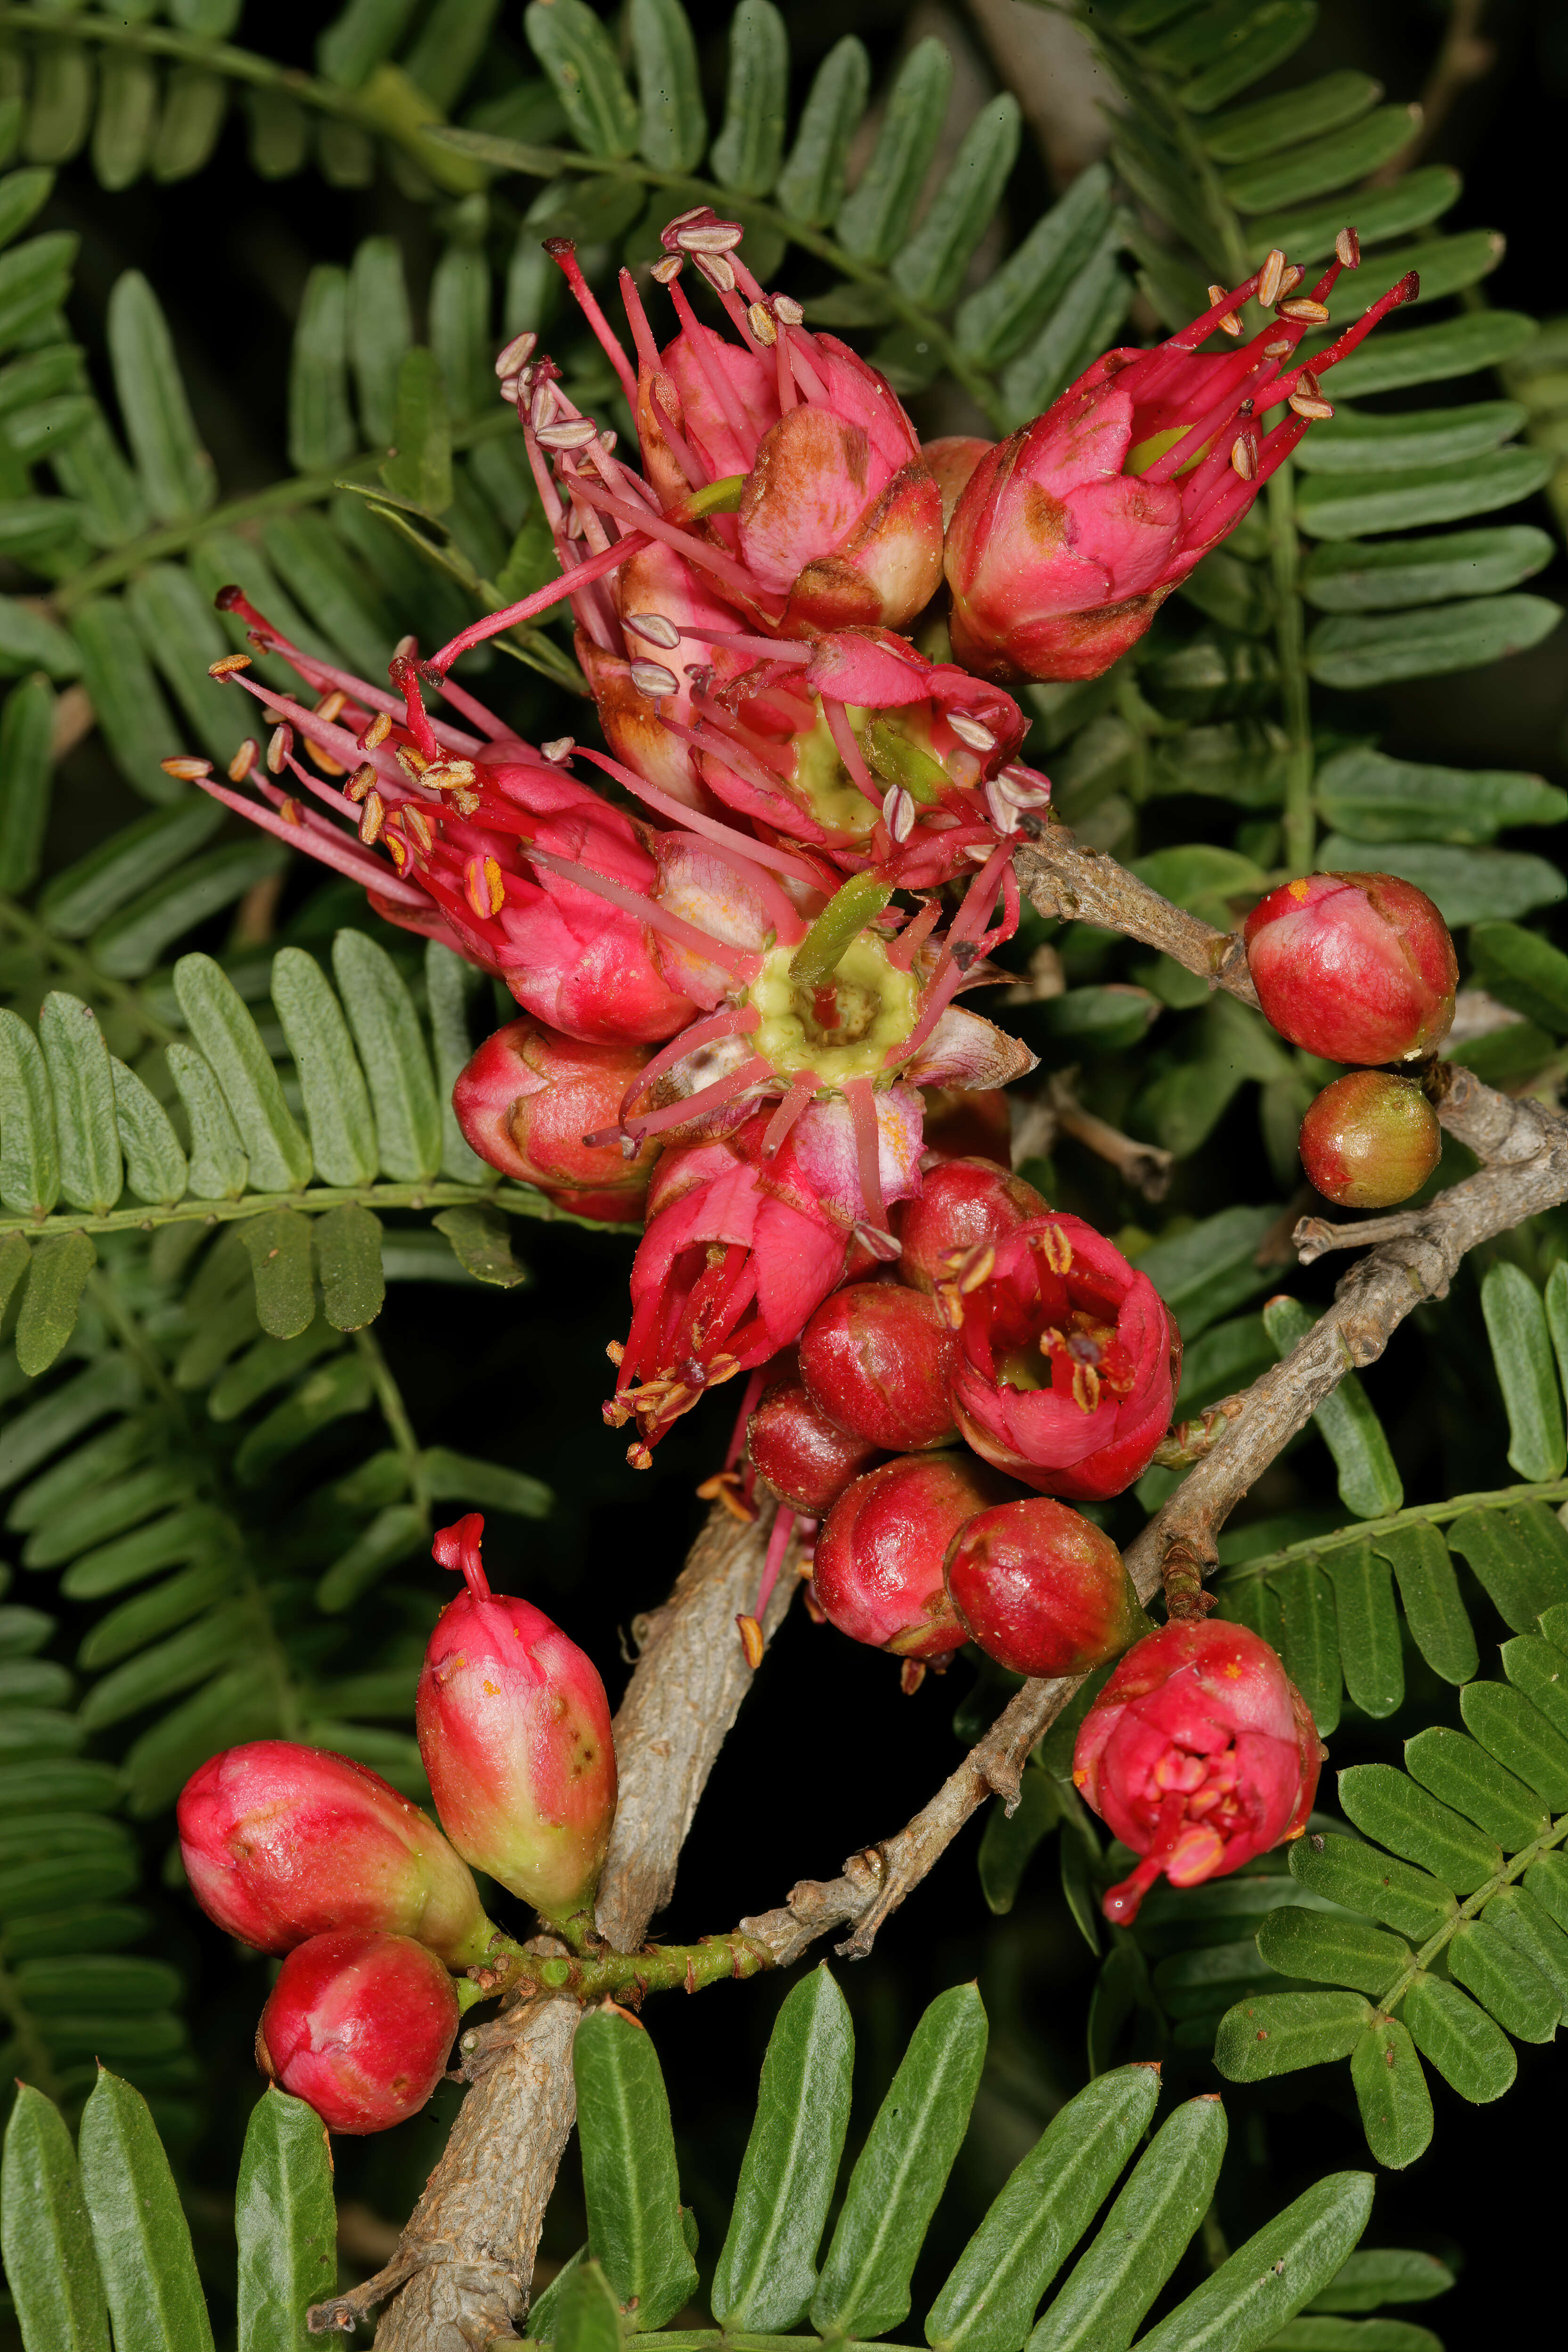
638, 2269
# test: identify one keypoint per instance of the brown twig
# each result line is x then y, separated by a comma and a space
466, 2258
1061, 877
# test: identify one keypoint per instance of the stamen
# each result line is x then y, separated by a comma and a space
971, 730
187, 771
1268, 277
654, 627
229, 664
702, 1034
563, 253
862, 1101
898, 813
514, 356
760, 319
573, 433
802, 1087
1304, 312
593, 567
243, 759
1229, 322
484, 886
1347, 245
652, 678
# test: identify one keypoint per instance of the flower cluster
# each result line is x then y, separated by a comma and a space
302, 1853
737, 935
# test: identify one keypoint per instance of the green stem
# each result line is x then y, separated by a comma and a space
395, 1413
1289, 638
80, 967
1499, 1498
1547, 1843
516, 1200
662, 1968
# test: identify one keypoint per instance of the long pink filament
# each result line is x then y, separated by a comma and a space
743, 962
540, 602
718, 1025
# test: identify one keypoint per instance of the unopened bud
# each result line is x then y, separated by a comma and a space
877, 1570
876, 1358
807, 1459
359, 2026
1354, 966
963, 1204
1369, 1139
1042, 1589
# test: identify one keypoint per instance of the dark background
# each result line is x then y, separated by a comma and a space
827, 1754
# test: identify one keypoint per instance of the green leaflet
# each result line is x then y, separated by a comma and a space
930, 269
674, 129
991, 2294
379, 332
767, 2267
280, 1157
871, 222
175, 471
29, 1154
278, 1247
83, 1085
1384, 1805
285, 2222
1359, 1878
576, 51
337, 1103
321, 428
1267, 2281
218, 1167
630, 2183
26, 779
1391, 2092
1429, 1594
747, 150
142, 2241
1111, 2286
811, 185
51, 2266
1369, 576
1369, 1484
348, 1261
1330, 1950
1455, 2035
56, 1276
155, 1167
901, 2170
396, 1064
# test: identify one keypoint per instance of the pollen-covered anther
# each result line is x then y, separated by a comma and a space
243, 759
229, 664
484, 886
719, 236
1056, 1249
360, 783
615, 1350
372, 817
1304, 311
971, 730
572, 433
1291, 279
1270, 277
515, 355
1244, 456
418, 827
760, 319
977, 1267
668, 270
1230, 323
751, 1634
322, 759
558, 750
651, 678
878, 1241
331, 704
1277, 350
279, 749
378, 730
718, 269
1085, 1387
450, 776
1311, 404
898, 813
787, 311
187, 771
398, 847
1347, 247
654, 627
290, 811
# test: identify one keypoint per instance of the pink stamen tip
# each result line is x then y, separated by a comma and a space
1123, 1903
563, 253
458, 1548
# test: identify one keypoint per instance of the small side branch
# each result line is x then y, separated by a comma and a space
1060, 876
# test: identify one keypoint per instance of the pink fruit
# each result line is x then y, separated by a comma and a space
1369, 1140
282, 1842
359, 2026
1042, 1589
1355, 967
874, 1358
514, 1729
877, 1573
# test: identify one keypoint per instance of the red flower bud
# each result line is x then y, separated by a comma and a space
877, 1573
1369, 1139
514, 1729
1199, 1753
359, 2025
876, 1359
1067, 1362
1042, 1589
964, 1202
1355, 967
804, 1457
530, 1095
282, 1842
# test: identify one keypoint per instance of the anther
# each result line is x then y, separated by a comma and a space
1276, 350
1244, 456
227, 667
508, 388
1347, 248
653, 626
1304, 311
484, 886
290, 811
898, 813
558, 750
717, 270
878, 1241
572, 433
1312, 405
243, 759
1270, 277
189, 771
417, 825
724, 236
760, 319
972, 732
1229, 322
331, 704
372, 817
652, 678
668, 270
279, 749
360, 783
517, 353
1000, 809
407, 649
1291, 279
787, 311
378, 730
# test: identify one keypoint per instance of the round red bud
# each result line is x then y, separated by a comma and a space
878, 1571
807, 1459
1043, 1589
1369, 1139
1353, 967
963, 1204
528, 1097
875, 1358
359, 2026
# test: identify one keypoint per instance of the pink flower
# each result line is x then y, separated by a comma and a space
1070, 534
281, 1842
359, 2026
1355, 967
514, 1731
527, 1099
1200, 1754
1066, 1361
